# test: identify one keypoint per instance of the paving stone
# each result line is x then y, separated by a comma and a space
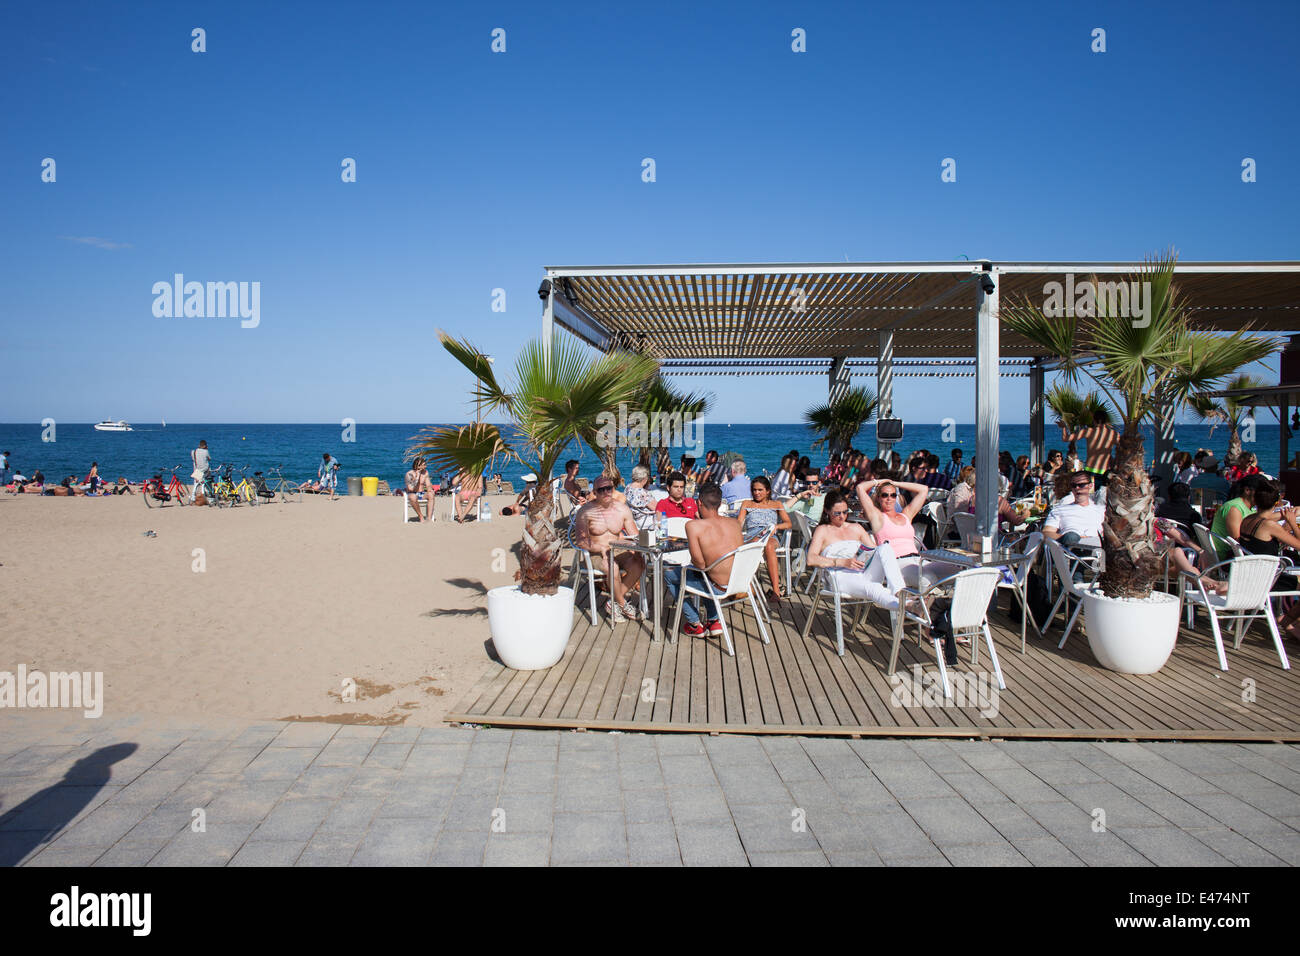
589, 837
530, 777
638, 775
426, 801
345, 752
283, 762
305, 733
1002, 854
247, 802
1056, 773
528, 812
127, 852
331, 848
104, 827
395, 843
471, 811
794, 858
579, 794
698, 805
161, 824
951, 821
672, 745
66, 856
602, 742
400, 735
1120, 808
795, 766
447, 735
1021, 786
351, 813
981, 756
60, 807
646, 806
862, 794
688, 771
233, 759
460, 848
1169, 846
1047, 851
372, 782
432, 759
710, 844
269, 853
855, 858
363, 731
772, 829
873, 751
838, 832
385, 754
293, 820
189, 756
893, 834
1232, 813
728, 750
215, 847
913, 780
652, 843
319, 781
517, 849
1234, 847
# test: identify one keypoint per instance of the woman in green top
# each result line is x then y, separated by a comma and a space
1227, 520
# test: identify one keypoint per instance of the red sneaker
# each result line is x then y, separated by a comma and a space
715, 627
693, 630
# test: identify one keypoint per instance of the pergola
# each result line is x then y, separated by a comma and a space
935, 318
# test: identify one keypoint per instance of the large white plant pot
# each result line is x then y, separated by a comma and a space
530, 631
1131, 636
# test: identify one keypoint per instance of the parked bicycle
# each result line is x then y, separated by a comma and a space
157, 492
278, 485
246, 490
223, 487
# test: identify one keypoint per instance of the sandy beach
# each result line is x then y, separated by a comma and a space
282, 603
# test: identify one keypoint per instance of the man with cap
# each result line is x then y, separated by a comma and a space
525, 497
600, 522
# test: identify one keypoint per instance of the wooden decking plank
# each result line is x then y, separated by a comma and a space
576, 694
634, 638
634, 673
644, 709
751, 711
552, 694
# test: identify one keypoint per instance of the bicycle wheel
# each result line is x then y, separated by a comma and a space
291, 491
182, 496
147, 495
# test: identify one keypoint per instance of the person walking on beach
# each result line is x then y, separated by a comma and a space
328, 474
93, 480
201, 458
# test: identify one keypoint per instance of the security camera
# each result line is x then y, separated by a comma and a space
544, 290
986, 283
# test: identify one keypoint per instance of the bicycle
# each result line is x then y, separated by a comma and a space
282, 487
245, 490
156, 493
208, 488
222, 487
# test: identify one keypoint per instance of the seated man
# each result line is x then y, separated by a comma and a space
600, 522
1177, 506
525, 498
1078, 520
1209, 485
737, 489
677, 505
709, 536
811, 500
570, 484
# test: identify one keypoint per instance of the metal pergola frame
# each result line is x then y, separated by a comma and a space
771, 318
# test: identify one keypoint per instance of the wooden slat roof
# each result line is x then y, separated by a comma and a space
731, 311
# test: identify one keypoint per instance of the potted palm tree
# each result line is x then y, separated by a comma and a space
1140, 366
557, 397
838, 422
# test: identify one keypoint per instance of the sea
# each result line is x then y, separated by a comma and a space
65, 448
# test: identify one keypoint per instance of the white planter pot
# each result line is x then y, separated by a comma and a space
1131, 636
530, 631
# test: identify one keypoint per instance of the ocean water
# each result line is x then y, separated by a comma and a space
378, 449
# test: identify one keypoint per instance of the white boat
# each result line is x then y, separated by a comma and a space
113, 427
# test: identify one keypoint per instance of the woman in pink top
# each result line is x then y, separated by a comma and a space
896, 528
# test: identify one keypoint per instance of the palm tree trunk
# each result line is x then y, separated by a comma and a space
539, 555
1234, 446
1128, 531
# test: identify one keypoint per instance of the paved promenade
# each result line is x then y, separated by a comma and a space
158, 791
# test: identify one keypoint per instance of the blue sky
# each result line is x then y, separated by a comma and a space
475, 170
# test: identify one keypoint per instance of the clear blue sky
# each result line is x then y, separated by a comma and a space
476, 169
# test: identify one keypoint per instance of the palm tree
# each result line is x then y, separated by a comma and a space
1075, 410
839, 421
1140, 368
663, 400
558, 397
1229, 411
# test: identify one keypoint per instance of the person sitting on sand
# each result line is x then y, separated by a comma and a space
417, 483
471, 486
123, 487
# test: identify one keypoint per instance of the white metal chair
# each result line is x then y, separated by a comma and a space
1033, 545
1208, 540
831, 590
1069, 589
406, 506
1250, 582
972, 590
677, 527
800, 540
965, 525
582, 564
740, 585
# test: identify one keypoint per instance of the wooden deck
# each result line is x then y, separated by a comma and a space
622, 680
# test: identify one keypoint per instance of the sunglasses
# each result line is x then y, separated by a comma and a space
1082, 487
890, 494
604, 488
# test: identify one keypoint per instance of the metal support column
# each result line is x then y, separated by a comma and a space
885, 387
548, 323
1037, 438
1163, 462
986, 410
839, 379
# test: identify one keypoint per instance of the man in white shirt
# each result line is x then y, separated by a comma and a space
1077, 520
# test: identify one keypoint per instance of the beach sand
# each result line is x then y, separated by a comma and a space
292, 600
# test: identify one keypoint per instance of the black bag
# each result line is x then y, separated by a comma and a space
1040, 605
941, 626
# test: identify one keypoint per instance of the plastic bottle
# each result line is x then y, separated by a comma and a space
487, 512
663, 526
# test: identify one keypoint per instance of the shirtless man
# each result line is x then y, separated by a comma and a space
709, 536
576, 497
599, 522
1101, 439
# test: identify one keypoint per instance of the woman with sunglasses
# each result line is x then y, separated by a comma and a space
895, 528
759, 515
849, 552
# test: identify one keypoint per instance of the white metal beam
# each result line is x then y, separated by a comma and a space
986, 413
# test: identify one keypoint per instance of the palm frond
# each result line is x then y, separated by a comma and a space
474, 448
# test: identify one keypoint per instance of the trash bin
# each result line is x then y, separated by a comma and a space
354, 486
369, 487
